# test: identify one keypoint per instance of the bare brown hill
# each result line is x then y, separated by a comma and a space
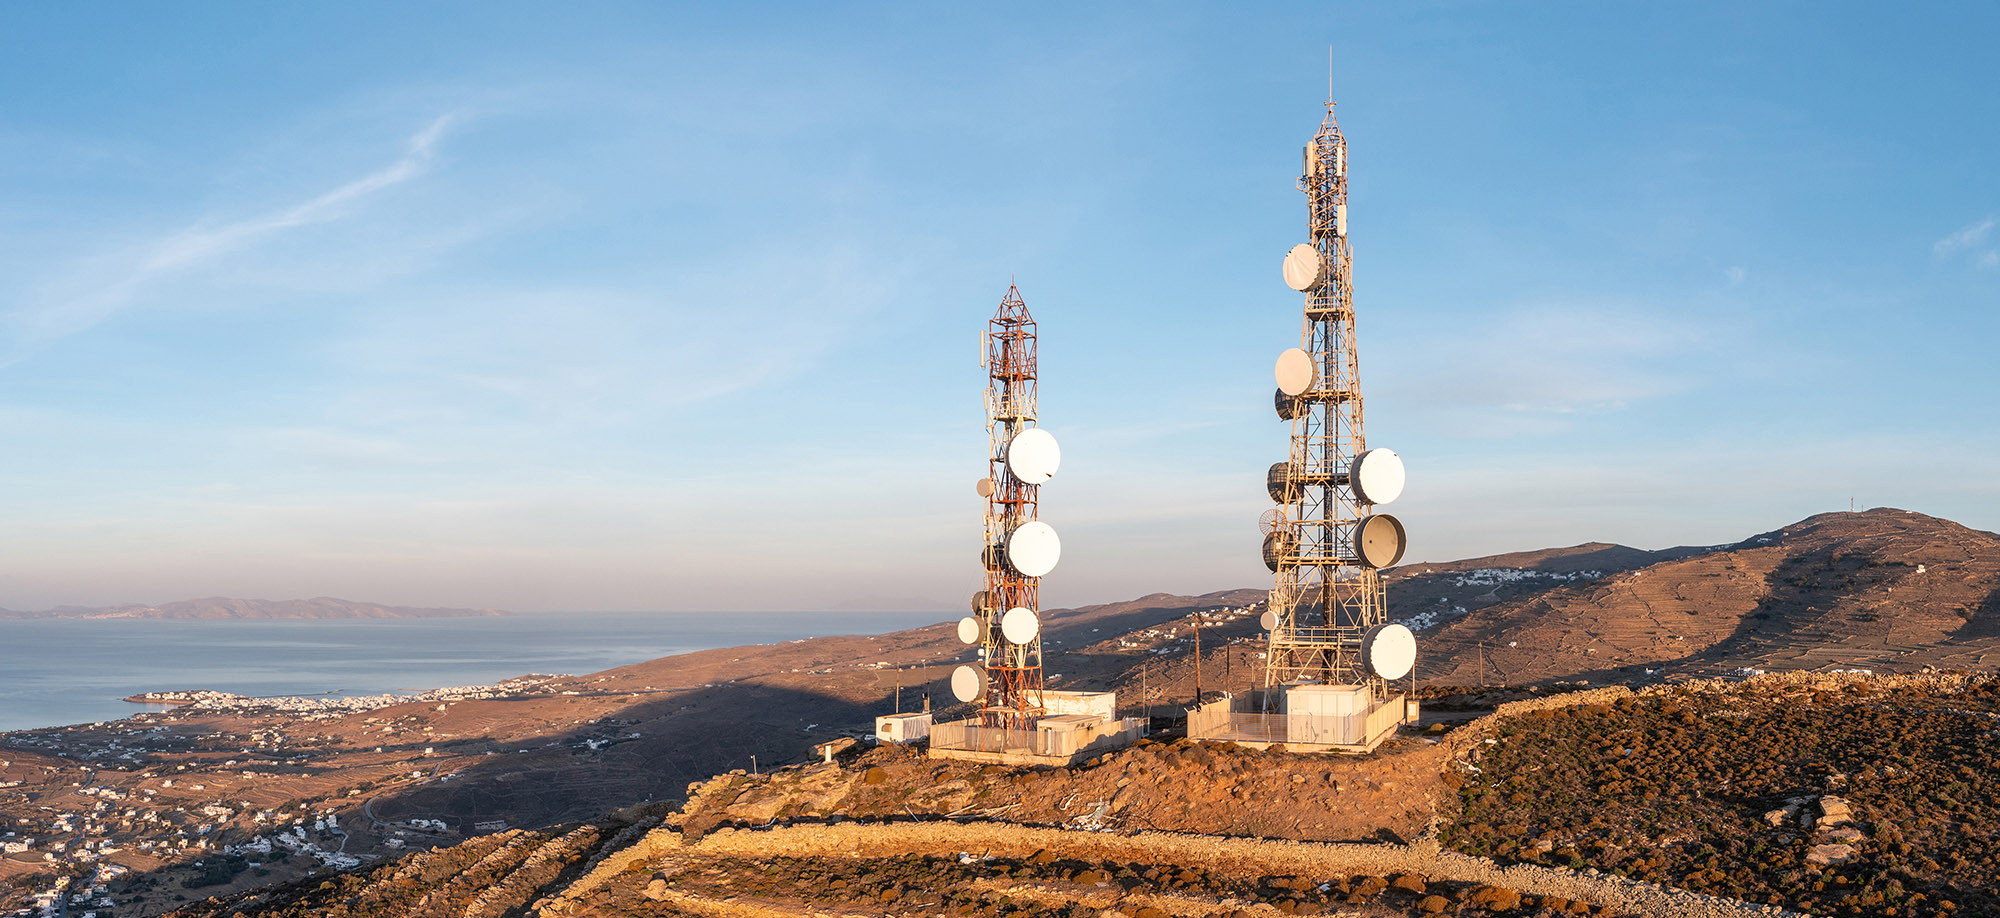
1883, 590
1425, 595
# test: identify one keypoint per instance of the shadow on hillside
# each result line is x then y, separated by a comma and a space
578, 773
692, 735
647, 751
1800, 622
1984, 621
653, 748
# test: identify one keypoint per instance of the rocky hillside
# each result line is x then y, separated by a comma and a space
1884, 590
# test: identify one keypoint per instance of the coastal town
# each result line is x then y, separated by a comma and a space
220, 790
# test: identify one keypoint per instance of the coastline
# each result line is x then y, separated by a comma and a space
75, 671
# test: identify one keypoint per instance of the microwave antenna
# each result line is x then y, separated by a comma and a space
1019, 548
1328, 616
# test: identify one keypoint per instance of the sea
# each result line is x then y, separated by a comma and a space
71, 671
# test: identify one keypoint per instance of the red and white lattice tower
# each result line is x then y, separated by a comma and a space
1019, 549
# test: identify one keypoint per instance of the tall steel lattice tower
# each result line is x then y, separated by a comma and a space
1019, 548
1328, 615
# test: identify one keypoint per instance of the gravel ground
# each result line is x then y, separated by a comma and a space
1227, 855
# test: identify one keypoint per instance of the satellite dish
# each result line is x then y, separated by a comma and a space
968, 630
1269, 620
1276, 480
1268, 522
1033, 456
1277, 545
982, 601
1389, 651
968, 683
1379, 540
1296, 372
1376, 476
1019, 625
985, 487
1033, 549
1288, 406
1304, 269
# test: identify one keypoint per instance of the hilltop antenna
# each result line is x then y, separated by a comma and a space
1328, 614
1019, 547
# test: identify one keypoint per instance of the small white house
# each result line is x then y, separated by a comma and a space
903, 728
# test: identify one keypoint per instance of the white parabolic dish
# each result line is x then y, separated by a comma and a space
968, 683
1033, 549
1303, 268
1389, 650
1019, 625
1377, 476
1033, 456
968, 630
1295, 372
1379, 540
1269, 620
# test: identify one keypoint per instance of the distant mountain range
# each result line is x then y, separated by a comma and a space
218, 607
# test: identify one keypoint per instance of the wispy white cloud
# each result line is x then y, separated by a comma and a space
1535, 370
108, 283
199, 243
1970, 241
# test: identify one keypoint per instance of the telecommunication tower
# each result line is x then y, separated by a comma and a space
1019, 548
1328, 616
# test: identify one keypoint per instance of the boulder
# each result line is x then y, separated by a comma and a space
1826, 855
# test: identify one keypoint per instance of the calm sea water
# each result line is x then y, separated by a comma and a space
77, 671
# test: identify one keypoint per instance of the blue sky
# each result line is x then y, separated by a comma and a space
635, 306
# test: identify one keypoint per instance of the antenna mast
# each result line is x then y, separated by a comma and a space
1324, 541
1019, 547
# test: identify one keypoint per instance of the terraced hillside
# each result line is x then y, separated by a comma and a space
1428, 594
1884, 590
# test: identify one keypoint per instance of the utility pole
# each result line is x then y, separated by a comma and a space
1144, 696
1197, 659
1482, 664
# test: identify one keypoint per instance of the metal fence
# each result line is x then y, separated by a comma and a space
1237, 727
970, 737
1217, 722
975, 738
